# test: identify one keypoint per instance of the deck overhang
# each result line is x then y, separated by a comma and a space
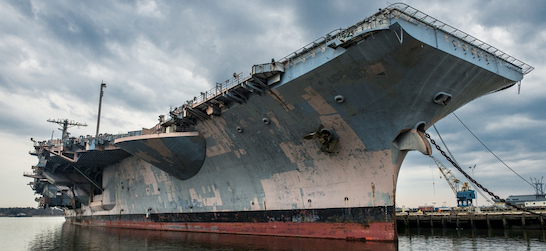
179, 154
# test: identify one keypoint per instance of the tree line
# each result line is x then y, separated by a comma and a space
29, 211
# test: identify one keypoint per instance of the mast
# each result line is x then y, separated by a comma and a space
65, 123
102, 86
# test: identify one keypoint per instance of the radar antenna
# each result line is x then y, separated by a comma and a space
66, 123
539, 186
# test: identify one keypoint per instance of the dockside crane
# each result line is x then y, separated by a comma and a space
465, 195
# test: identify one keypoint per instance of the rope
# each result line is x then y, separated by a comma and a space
492, 151
472, 179
452, 157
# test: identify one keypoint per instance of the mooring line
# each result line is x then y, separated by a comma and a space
474, 181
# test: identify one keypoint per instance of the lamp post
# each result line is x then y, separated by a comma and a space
472, 169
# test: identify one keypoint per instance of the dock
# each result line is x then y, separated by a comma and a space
471, 220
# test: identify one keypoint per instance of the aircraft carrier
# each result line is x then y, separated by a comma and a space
309, 145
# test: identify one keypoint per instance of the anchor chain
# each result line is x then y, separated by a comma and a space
471, 179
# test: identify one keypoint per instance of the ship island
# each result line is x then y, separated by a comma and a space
306, 146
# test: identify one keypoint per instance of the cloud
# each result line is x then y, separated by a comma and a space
156, 54
519, 122
148, 8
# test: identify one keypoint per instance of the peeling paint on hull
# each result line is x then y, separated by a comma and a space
265, 173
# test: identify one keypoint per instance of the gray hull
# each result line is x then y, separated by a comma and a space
374, 92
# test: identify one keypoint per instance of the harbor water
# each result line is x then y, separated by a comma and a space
52, 233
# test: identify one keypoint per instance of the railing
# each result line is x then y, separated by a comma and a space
308, 49
400, 10
292, 58
380, 20
58, 144
368, 24
219, 89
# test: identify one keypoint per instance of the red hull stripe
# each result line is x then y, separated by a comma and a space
348, 231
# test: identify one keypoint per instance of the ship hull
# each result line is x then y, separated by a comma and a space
262, 170
290, 223
254, 168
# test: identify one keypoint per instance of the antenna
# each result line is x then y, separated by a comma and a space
539, 185
66, 124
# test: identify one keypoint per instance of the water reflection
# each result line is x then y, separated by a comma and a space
514, 233
52, 234
475, 239
73, 237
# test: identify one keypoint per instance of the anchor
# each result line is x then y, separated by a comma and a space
326, 137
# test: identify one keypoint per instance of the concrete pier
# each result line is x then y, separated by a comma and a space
466, 220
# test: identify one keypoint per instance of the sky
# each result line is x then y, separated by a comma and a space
154, 55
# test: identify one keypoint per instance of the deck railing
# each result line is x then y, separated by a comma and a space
377, 21
400, 10
217, 90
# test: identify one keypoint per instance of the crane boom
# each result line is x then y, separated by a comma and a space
450, 178
465, 195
